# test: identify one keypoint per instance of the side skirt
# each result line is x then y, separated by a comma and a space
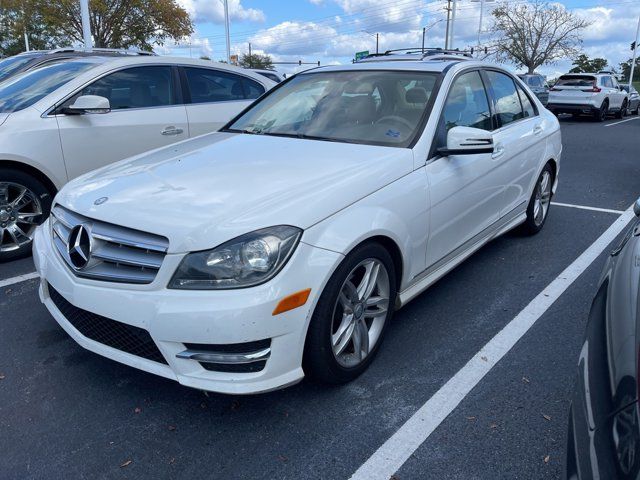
432, 274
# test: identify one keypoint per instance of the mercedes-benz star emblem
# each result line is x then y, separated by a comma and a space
79, 246
101, 200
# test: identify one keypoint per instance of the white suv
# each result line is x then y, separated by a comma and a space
68, 118
588, 93
281, 246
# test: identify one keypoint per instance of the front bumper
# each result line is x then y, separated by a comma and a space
174, 318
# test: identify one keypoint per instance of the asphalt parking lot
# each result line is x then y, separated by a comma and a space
68, 413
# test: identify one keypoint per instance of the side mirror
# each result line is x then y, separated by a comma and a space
89, 104
467, 141
636, 208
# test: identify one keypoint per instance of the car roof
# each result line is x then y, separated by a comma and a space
426, 65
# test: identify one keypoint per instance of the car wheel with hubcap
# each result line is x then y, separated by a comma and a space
24, 204
600, 115
351, 316
540, 202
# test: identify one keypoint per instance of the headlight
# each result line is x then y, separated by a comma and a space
245, 261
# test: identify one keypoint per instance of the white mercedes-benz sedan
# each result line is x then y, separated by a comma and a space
281, 246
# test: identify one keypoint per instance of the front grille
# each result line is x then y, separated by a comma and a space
118, 335
117, 254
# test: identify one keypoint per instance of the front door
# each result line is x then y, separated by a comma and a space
465, 190
144, 115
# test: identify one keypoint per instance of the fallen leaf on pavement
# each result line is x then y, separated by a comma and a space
493, 425
137, 410
172, 427
126, 464
2, 377
546, 417
546, 459
483, 358
525, 380
471, 418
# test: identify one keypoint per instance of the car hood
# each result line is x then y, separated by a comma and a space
3, 117
205, 191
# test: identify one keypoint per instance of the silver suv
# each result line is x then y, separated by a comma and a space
595, 94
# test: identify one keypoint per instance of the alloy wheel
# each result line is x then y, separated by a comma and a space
20, 212
360, 312
542, 198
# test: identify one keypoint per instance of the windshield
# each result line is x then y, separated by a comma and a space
576, 81
28, 88
11, 65
370, 107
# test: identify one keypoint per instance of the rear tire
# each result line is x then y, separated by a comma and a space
332, 357
600, 115
623, 110
539, 203
24, 204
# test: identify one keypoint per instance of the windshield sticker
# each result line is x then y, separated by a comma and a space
392, 133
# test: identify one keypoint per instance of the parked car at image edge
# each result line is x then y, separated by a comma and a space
270, 74
242, 260
592, 94
633, 106
27, 61
538, 85
604, 424
65, 119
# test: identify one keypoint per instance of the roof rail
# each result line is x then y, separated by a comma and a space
121, 51
422, 53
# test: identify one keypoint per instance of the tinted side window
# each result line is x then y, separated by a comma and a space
606, 81
508, 108
138, 87
467, 103
527, 106
207, 85
252, 89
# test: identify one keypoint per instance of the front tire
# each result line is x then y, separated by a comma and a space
350, 319
539, 203
24, 204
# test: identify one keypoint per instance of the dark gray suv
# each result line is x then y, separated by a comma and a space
538, 85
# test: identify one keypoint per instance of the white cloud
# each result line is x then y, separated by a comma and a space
212, 11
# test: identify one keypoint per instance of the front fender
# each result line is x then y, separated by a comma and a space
398, 211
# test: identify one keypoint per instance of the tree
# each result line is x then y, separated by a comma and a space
114, 23
256, 61
19, 17
625, 67
585, 64
535, 33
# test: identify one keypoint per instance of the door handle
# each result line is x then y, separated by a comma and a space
172, 131
498, 151
537, 130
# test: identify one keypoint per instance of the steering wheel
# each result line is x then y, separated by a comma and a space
394, 119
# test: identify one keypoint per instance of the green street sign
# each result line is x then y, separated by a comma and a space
361, 55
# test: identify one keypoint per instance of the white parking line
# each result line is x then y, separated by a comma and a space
621, 121
17, 279
584, 207
388, 459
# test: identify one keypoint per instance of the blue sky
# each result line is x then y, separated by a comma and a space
331, 31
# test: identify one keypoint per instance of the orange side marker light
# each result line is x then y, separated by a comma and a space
292, 301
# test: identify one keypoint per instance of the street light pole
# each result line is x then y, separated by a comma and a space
446, 35
86, 26
453, 21
226, 29
635, 51
377, 36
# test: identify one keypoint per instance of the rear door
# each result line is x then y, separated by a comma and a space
519, 141
146, 113
215, 96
